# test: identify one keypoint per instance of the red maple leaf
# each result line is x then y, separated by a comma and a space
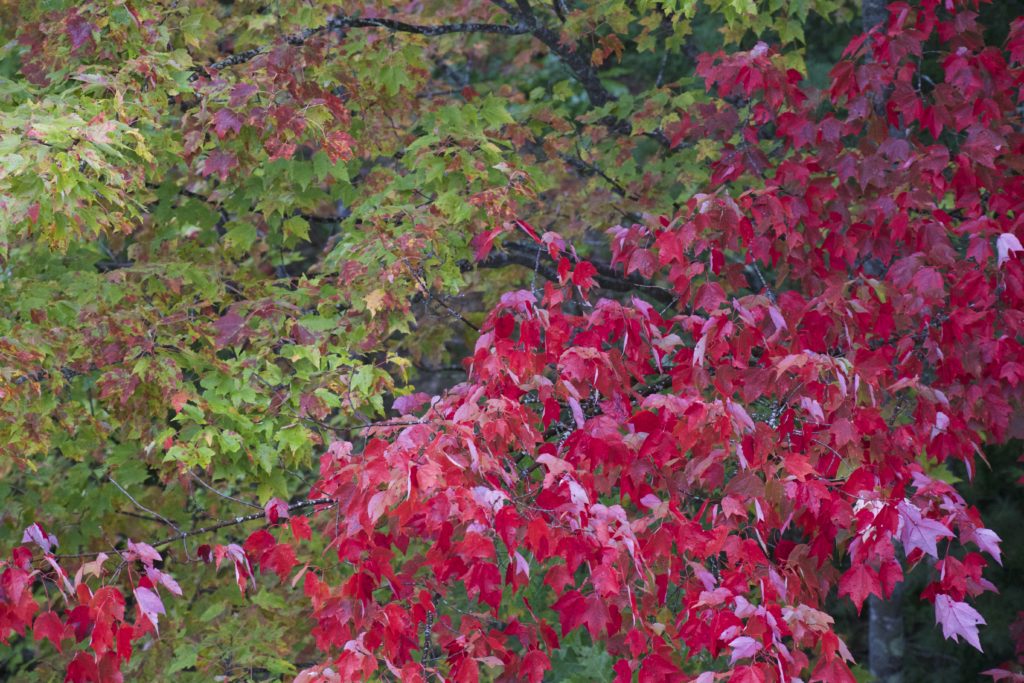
280, 559
219, 163
49, 626
533, 665
859, 582
82, 669
226, 121
574, 610
483, 582
300, 528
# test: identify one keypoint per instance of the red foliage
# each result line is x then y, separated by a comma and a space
686, 476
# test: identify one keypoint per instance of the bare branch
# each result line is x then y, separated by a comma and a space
327, 502
425, 289
238, 520
503, 259
224, 495
526, 255
142, 507
342, 22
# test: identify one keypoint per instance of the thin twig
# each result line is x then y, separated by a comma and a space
430, 295
155, 514
142, 507
764, 283
224, 495
327, 502
238, 520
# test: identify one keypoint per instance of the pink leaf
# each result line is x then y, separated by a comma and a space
555, 468
577, 413
920, 532
928, 282
241, 93
79, 31
987, 540
150, 604
406, 405
144, 552
377, 506
1007, 244
35, 533
275, 510
743, 647
165, 580
229, 328
958, 619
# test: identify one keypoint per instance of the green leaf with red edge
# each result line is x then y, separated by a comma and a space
338, 146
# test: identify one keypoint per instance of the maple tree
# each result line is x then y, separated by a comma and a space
716, 335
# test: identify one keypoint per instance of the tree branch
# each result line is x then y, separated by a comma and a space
503, 259
236, 521
142, 507
342, 22
224, 495
577, 62
607, 277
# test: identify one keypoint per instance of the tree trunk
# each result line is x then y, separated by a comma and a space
885, 637
873, 12
885, 617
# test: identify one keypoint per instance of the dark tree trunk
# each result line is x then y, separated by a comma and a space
885, 637
886, 643
873, 12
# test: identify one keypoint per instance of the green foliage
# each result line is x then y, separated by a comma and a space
231, 233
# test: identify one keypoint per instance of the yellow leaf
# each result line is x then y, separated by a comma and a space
375, 301
140, 145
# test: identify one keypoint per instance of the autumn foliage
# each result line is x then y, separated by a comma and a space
679, 444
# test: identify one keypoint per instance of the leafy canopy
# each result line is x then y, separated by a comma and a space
723, 330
